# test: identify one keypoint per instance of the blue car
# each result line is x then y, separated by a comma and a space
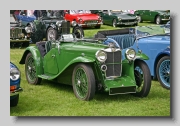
151, 40
15, 80
24, 18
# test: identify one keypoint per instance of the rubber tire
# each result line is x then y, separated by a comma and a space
78, 32
37, 79
158, 20
14, 101
140, 19
102, 20
99, 26
90, 79
146, 77
55, 34
114, 23
157, 72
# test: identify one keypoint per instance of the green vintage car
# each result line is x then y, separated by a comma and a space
156, 16
117, 18
89, 66
51, 27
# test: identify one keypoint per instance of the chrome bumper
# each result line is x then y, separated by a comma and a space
91, 24
127, 23
165, 19
15, 92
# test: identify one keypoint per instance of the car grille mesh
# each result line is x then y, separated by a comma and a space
91, 21
14, 32
113, 63
66, 27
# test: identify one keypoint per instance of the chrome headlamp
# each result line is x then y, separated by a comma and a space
14, 74
58, 23
101, 56
119, 18
74, 23
130, 54
28, 29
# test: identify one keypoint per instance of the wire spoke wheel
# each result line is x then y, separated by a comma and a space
163, 71
83, 82
143, 79
30, 70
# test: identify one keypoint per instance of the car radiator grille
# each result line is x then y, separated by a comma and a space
91, 21
14, 32
66, 27
113, 63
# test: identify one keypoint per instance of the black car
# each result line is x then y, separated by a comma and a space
18, 36
51, 27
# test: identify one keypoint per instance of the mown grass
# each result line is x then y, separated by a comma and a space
52, 99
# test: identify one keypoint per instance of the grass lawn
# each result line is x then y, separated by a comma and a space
52, 99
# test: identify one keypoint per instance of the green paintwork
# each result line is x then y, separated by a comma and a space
143, 56
58, 65
150, 15
108, 16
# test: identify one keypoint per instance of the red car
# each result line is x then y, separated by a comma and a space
83, 17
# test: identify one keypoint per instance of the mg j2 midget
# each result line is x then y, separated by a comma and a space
89, 66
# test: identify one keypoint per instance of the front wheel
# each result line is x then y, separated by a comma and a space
52, 34
83, 82
98, 26
143, 79
30, 70
139, 19
163, 72
114, 23
158, 20
14, 101
78, 32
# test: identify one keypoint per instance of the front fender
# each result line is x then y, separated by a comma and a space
142, 56
37, 58
84, 59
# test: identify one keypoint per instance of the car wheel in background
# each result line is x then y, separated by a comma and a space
114, 23
139, 19
51, 34
78, 32
158, 20
163, 72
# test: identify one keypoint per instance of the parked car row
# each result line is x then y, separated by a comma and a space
156, 16
120, 61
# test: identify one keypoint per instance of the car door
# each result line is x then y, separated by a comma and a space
50, 62
105, 16
146, 15
152, 16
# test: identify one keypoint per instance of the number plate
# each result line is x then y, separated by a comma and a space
129, 23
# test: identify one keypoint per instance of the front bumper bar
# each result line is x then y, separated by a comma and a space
15, 92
